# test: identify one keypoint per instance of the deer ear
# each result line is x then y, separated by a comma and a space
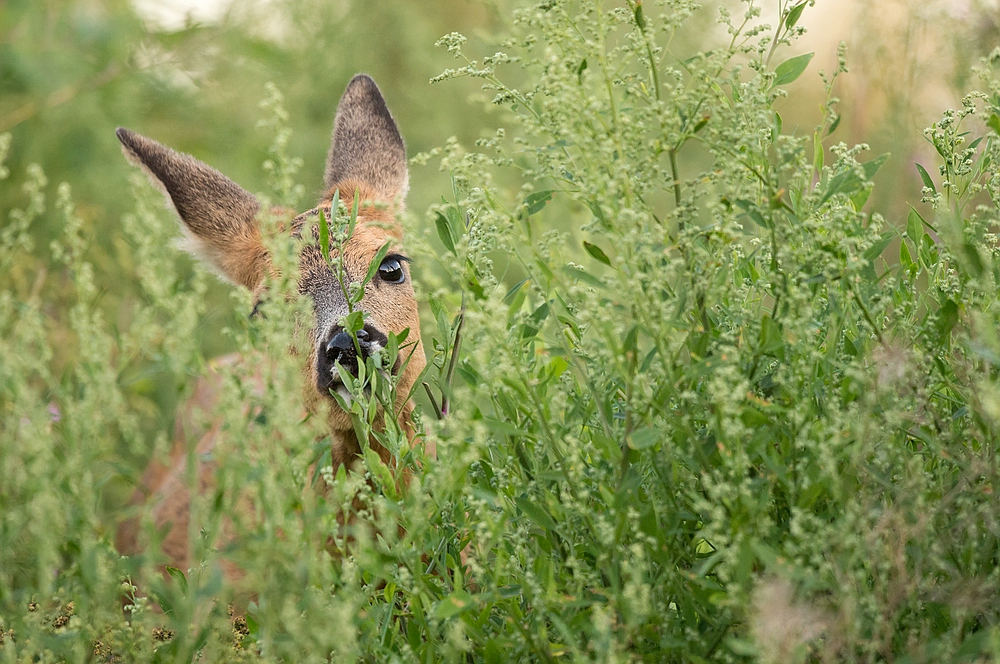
219, 216
367, 149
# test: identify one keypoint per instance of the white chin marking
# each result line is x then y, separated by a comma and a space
344, 394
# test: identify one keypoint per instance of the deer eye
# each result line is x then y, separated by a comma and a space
391, 271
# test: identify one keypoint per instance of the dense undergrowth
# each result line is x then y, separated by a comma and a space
691, 400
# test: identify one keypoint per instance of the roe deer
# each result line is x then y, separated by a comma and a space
367, 158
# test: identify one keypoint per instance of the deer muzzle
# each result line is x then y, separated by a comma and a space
338, 347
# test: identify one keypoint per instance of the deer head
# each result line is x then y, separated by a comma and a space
367, 159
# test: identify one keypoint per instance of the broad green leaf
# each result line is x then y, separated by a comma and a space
994, 123
540, 314
536, 201
772, 341
751, 211
872, 167
860, 197
444, 232
791, 69
455, 221
354, 321
597, 253
848, 182
793, 15
454, 604
876, 249
947, 319
972, 259
644, 438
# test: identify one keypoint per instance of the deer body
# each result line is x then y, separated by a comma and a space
367, 159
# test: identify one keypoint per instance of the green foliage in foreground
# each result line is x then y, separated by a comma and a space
695, 403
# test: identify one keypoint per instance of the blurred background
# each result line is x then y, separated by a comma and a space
192, 74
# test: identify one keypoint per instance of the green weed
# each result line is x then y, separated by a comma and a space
692, 399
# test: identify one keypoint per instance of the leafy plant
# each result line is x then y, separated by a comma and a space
691, 398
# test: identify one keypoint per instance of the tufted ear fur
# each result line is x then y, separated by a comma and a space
367, 151
219, 216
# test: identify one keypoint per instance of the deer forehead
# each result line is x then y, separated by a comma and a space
358, 253
392, 306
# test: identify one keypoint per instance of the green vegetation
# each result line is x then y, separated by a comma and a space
692, 398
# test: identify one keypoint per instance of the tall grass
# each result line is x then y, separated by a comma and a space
691, 399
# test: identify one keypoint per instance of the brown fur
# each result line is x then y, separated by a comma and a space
219, 218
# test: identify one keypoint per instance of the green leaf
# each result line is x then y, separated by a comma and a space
354, 211
834, 125
876, 249
905, 258
972, 259
859, 198
540, 314
377, 261
640, 20
772, 342
791, 69
644, 438
381, 473
536, 513
354, 321
947, 319
581, 274
536, 201
848, 182
751, 211
994, 122
928, 182
793, 15
580, 70
454, 604
455, 221
179, 577
324, 237
444, 232
872, 167
914, 227
335, 205
818, 160
597, 253
503, 428
513, 291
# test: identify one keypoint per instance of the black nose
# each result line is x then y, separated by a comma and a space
339, 344
338, 347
